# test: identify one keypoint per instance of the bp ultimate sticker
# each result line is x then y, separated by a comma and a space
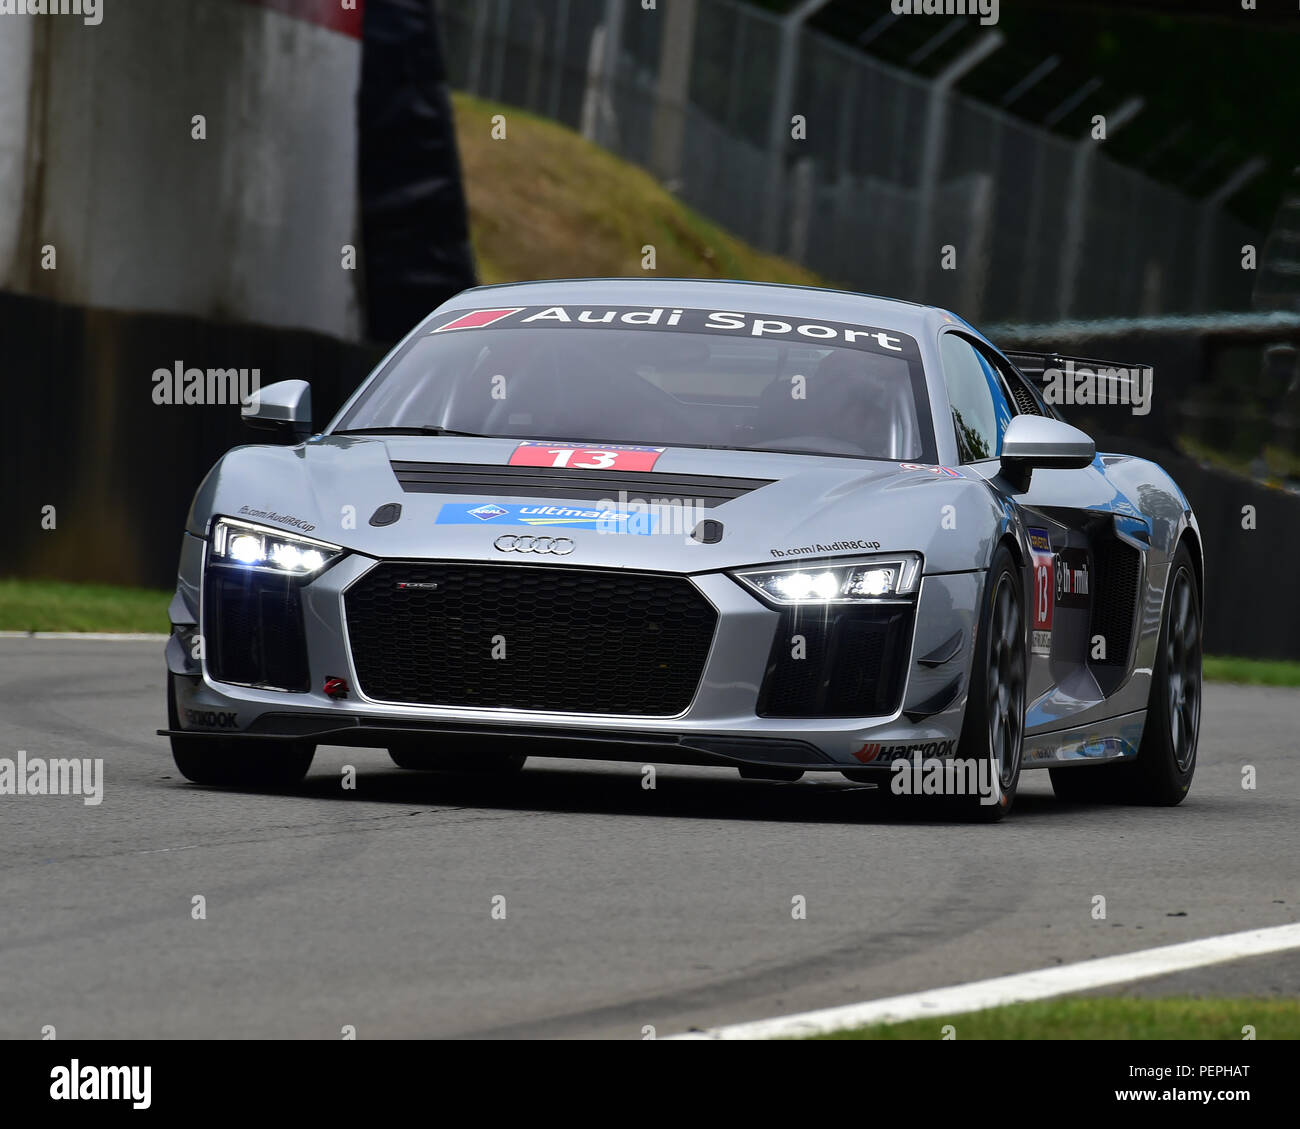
602, 520
1044, 565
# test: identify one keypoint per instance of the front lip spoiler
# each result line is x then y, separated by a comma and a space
542, 741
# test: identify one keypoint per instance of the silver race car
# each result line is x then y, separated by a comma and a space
775, 528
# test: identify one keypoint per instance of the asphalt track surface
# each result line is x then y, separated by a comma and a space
624, 907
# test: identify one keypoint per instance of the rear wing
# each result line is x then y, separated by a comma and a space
1035, 364
1060, 379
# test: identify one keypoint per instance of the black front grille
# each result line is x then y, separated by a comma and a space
252, 629
843, 661
570, 640
1118, 569
554, 482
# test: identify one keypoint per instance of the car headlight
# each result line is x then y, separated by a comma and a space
245, 545
839, 582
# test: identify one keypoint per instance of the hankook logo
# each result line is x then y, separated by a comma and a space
559, 546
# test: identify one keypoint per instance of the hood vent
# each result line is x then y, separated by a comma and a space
549, 482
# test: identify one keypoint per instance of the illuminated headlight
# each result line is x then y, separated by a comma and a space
884, 578
269, 550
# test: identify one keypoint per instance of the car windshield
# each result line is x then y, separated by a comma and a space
659, 377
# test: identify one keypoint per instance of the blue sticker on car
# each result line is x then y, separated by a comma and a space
602, 520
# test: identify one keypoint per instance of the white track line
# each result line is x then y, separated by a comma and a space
99, 636
1020, 988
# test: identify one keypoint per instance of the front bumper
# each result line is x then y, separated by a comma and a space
721, 725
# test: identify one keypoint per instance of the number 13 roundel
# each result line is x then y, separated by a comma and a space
609, 457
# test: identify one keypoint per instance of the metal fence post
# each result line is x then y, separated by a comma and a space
979, 247
676, 57
598, 122
803, 191
499, 55
1210, 207
936, 127
734, 78
1076, 220
787, 70
478, 44
561, 61
1076, 213
536, 61
607, 130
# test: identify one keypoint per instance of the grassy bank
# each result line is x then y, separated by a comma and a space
1252, 672
52, 605
1105, 1017
544, 203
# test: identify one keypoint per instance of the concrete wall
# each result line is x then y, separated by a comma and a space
247, 225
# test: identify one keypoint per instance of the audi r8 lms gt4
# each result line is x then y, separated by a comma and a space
780, 529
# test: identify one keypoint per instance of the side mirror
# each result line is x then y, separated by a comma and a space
1034, 442
283, 407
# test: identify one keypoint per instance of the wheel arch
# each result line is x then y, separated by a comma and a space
1192, 540
1011, 542
1017, 551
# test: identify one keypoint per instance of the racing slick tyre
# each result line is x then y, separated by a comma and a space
992, 733
1161, 773
994, 727
270, 765
239, 762
451, 754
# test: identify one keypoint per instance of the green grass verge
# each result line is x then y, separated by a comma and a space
1252, 672
1105, 1017
52, 605
1278, 464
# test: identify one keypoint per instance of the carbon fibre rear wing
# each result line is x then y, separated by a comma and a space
1059, 380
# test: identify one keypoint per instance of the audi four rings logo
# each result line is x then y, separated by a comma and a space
559, 546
